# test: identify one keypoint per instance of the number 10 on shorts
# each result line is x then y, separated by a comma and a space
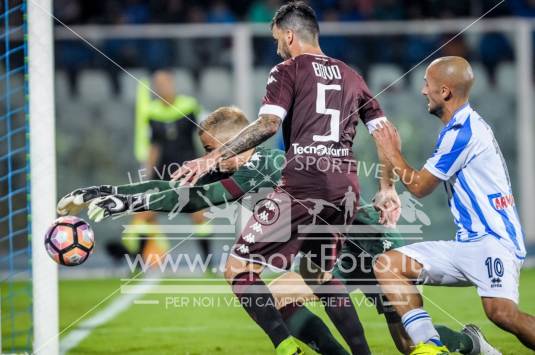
494, 267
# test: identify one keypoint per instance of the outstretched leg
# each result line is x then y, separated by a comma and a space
338, 305
396, 272
257, 300
291, 292
506, 315
455, 341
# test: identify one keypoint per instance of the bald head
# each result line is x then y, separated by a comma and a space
453, 72
448, 81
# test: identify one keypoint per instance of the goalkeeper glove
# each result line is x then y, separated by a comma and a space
74, 202
116, 206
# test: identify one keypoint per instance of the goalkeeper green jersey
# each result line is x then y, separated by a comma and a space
371, 243
263, 169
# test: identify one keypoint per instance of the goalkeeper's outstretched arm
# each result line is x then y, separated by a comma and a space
152, 186
74, 202
145, 187
188, 199
180, 199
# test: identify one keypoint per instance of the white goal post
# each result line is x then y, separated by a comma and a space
43, 174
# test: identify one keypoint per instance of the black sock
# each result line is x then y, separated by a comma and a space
341, 311
257, 300
310, 329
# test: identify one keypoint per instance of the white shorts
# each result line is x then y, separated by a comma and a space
485, 263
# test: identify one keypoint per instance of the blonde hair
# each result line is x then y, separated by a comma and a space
224, 123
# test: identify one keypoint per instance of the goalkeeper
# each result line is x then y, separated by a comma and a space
236, 177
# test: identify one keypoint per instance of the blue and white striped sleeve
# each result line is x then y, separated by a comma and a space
454, 150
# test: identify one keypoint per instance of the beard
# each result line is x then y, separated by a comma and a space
284, 52
436, 110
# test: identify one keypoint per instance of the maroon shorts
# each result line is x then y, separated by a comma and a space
282, 226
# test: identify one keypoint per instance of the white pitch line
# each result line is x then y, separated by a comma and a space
146, 302
120, 304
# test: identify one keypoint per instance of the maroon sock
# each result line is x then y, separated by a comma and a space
257, 300
341, 311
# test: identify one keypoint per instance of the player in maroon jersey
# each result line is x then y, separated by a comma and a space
318, 100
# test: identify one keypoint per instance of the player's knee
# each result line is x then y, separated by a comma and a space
234, 267
231, 270
229, 276
394, 263
503, 314
502, 318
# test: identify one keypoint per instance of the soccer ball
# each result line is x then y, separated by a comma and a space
69, 241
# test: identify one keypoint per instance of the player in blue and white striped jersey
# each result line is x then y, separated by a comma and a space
488, 250
468, 159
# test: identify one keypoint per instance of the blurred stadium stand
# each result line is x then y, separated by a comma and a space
492, 48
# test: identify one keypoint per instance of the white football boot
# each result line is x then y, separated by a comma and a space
481, 345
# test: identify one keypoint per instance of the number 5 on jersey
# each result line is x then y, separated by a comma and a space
334, 114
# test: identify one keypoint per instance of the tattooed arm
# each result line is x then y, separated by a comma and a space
251, 136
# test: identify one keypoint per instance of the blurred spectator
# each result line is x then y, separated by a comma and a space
454, 45
262, 11
68, 12
168, 11
417, 9
136, 11
525, 8
196, 14
365, 7
334, 46
349, 11
264, 47
417, 48
452, 9
497, 11
219, 12
72, 57
494, 48
389, 10
126, 52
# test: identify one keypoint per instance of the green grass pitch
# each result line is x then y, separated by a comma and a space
215, 328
